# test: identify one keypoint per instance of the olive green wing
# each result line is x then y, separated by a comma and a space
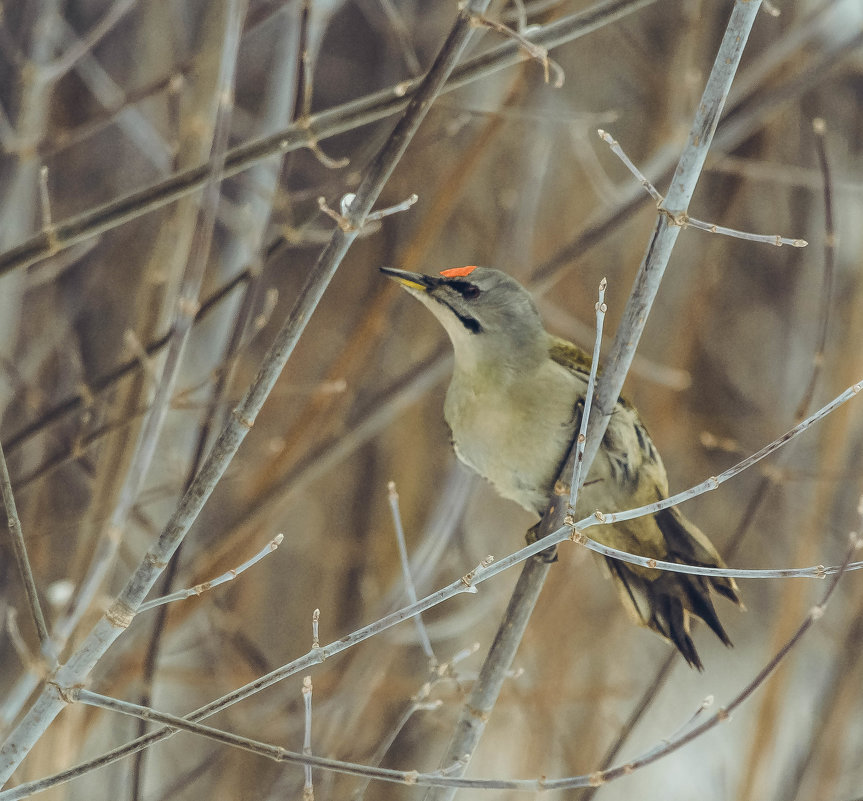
576, 360
568, 355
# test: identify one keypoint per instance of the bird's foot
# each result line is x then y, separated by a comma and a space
549, 556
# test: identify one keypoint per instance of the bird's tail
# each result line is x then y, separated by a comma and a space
665, 601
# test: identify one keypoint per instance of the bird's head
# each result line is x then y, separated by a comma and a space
488, 315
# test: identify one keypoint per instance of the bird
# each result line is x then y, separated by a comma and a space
514, 408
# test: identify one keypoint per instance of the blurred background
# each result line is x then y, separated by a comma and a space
100, 98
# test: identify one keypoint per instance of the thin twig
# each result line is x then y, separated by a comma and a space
19, 548
342, 220
714, 481
684, 220
32, 663
419, 702
399, 30
303, 98
535, 51
833, 688
230, 575
648, 696
308, 785
578, 474
410, 589
819, 128
45, 199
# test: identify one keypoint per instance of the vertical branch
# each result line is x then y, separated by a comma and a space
303, 97
819, 127
578, 471
308, 784
672, 216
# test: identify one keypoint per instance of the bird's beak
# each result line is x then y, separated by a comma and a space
416, 281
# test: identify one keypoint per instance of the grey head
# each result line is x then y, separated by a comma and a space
487, 314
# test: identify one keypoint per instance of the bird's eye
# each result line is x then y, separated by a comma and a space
466, 289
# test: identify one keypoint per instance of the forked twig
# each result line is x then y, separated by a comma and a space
205, 586
683, 219
534, 50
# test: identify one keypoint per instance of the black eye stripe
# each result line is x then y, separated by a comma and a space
470, 324
466, 289
466, 320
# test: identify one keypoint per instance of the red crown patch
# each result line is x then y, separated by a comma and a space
458, 272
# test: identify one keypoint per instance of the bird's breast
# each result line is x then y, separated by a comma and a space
516, 431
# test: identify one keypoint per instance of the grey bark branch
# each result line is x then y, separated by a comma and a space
52, 699
484, 694
305, 133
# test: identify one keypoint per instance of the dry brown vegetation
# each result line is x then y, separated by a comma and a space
509, 172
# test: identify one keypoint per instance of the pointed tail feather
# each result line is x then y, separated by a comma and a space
688, 544
659, 605
666, 602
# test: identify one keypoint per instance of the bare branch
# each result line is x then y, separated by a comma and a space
206, 586
410, 589
305, 132
308, 786
578, 473
684, 220
119, 615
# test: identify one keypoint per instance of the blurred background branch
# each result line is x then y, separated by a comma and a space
509, 172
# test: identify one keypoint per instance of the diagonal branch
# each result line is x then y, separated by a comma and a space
20, 550
50, 702
451, 780
304, 133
